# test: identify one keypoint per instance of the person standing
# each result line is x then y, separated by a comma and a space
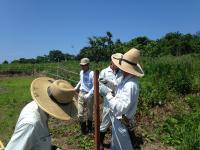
50, 97
124, 104
108, 77
85, 97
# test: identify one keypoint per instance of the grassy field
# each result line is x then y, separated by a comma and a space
168, 112
14, 94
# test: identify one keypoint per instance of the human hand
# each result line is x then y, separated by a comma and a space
104, 90
103, 80
76, 89
87, 96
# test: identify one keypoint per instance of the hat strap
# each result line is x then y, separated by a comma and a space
121, 59
53, 98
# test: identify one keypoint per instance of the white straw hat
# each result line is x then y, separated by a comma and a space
129, 62
55, 97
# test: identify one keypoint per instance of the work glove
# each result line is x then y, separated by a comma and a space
76, 89
109, 83
103, 80
87, 96
104, 90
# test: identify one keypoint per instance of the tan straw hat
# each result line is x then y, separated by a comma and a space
128, 62
55, 97
1, 146
84, 61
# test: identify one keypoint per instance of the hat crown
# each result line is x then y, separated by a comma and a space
55, 97
129, 62
132, 55
62, 91
84, 61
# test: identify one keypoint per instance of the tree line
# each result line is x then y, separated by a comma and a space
102, 47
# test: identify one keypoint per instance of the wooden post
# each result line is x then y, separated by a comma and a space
96, 110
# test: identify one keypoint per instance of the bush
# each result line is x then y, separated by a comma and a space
180, 78
154, 93
183, 131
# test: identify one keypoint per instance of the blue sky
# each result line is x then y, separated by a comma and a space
30, 28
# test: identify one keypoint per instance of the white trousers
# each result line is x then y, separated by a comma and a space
120, 136
106, 122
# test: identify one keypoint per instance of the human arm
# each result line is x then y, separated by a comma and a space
77, 87
125, 101
108, 78
22, 138
105, 91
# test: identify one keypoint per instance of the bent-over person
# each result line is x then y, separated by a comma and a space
50, 97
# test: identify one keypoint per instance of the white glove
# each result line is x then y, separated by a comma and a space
109, 96
104, 90
109, 83
77, 87
103, 80
87, 96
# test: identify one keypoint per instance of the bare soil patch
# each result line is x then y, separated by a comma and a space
144, 130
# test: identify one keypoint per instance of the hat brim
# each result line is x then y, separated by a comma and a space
124, 66
83, 64
40, 95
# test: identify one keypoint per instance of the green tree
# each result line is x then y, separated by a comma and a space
42, 59
69, 56
5, 62
139, 43
56, 56
151, 49
99, 49
176, 44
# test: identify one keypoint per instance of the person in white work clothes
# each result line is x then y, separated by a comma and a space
110, 78
50, 97
124, 104
85, 97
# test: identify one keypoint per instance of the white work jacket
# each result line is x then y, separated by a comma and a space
31, 131
126, 98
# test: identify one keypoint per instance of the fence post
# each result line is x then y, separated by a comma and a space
96, 110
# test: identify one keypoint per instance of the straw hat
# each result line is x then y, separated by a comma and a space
84, 61
128, 62
55, 97
1, 146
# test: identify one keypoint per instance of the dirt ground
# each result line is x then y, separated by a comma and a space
59, 139
143, 142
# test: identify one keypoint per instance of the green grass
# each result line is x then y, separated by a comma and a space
167, 80
183, 130
14, 94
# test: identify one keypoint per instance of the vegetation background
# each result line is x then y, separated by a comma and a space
168, 112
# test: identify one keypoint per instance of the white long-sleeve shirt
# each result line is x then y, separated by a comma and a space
31, 131
126, 99
86, 82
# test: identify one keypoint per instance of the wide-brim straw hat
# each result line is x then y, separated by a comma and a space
55, 97
129, 62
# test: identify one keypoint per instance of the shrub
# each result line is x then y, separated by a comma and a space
184, 130
154, 93
179, 78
